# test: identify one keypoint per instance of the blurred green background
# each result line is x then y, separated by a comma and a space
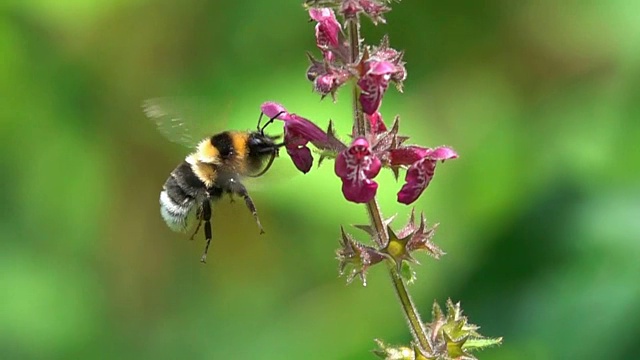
539, 216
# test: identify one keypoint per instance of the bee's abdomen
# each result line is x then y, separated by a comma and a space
179, 195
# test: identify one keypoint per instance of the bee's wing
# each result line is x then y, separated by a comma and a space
174, 119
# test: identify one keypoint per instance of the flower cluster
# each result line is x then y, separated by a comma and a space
450, 336
373, 71
360, 162
399, 247
358, 256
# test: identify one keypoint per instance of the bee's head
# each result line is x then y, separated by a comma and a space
262, 146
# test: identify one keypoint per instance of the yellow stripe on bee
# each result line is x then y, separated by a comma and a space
240, 139
208, 153
205, 172
241, 151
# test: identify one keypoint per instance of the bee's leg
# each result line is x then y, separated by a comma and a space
199, 217
239, 189
206, 216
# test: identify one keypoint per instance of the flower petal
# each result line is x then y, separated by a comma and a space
297, 129
301, 128
407, 155
442, 153
327, 29
272, 109
381, 68
356, 166
373, 87
301, 157
418, 177
360, 193
298, 132
375, 123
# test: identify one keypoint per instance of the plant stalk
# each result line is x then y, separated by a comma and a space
410, 311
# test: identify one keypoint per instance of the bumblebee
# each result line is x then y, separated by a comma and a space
215, 168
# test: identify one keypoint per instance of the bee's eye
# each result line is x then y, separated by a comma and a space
260, 145
254, 141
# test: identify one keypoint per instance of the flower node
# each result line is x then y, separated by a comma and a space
420, 236
357, 256
396, 248
452, 336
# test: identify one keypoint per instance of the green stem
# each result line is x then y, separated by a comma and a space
354, 44
410, 311
415, 323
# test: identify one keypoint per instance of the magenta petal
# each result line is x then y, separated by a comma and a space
373, 87
442, 153
272, 109
372, 169
375, 123
297, 127
322, 14
340, 166
381, 68
298, 132
318, 14
360, 193
407, 155
418, 176
328, 27
356, 166
360, 142
324, 84
409, 194
301, 157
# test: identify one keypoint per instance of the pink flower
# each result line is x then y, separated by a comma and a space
374, 83
356, 166
327, 29
383, 66
328, 82
298, 132
423, 164
384, 52
327, 76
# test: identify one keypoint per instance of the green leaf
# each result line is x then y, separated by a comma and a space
478, 344
407, 273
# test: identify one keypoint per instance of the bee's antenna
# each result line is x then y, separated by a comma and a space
259, 120
268, 122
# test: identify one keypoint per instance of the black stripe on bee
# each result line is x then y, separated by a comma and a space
175, 193
187, 180
224, 143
